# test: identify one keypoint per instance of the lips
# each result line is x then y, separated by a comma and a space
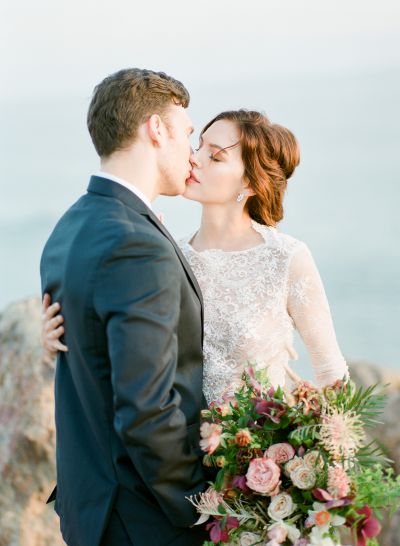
192, 178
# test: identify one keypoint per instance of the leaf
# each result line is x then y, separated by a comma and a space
221, 510
307, 432
219, 480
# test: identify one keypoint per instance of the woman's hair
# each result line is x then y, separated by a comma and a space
270, 154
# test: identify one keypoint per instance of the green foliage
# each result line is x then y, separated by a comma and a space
378, 487
368, 403
302, 434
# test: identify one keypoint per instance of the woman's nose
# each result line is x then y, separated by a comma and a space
194, 159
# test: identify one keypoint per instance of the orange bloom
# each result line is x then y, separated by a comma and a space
322, 518
243, 437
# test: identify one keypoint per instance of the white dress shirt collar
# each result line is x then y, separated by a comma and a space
127, 185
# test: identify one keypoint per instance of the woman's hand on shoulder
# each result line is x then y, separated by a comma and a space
52, 329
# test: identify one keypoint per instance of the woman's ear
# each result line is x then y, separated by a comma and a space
248, 190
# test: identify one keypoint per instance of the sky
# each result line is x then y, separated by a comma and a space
64, 47
329, 71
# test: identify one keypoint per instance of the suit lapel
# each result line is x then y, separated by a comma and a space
154, 220
110, 188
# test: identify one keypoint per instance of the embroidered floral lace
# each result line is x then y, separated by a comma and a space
253, 300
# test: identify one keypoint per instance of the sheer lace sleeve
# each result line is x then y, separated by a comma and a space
309, 309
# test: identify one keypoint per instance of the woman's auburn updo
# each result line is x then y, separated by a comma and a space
270, 154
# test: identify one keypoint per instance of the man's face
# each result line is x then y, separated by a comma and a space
175, 164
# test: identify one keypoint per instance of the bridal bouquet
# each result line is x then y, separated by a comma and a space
295, 467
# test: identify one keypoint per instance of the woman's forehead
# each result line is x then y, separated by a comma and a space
222, 132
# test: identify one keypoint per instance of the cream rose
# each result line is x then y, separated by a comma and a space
263, 476
291, 465
313, 458
248, 539
281, 507
303, 477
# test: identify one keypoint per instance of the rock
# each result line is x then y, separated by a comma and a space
388, 433
27, 460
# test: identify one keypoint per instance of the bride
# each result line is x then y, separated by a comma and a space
258, 284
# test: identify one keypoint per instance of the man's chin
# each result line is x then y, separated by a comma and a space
173, 192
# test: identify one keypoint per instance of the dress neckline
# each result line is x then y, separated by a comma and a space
261, 229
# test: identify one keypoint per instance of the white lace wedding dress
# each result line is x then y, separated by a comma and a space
253, 300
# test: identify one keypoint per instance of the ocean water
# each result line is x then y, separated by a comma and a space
343, 200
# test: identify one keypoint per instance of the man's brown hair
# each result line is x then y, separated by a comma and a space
125, 100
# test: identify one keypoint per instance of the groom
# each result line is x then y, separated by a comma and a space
129, 391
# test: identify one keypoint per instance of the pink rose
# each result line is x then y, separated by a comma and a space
210, 437
280, 453
263, 476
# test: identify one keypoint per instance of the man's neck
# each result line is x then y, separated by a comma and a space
133, 169
131, 187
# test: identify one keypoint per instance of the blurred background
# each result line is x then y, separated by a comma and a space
329, 71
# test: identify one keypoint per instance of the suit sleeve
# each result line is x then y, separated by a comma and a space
137, 295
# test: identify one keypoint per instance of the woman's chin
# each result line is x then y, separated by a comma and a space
190, 193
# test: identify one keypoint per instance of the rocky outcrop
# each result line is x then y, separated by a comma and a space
27, 462
388, 433
27, 446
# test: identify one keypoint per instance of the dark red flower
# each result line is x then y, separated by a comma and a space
270, 409
369, 527
240, 483
219, 530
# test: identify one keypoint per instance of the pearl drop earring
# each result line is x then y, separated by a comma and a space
240, 197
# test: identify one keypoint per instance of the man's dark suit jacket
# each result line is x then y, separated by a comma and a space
129, 391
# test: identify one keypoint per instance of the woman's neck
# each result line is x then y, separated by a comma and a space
226, 229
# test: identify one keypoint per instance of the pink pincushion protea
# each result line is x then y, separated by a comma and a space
338, 482
263, 476
342, 433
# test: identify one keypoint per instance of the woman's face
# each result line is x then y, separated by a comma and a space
217, 175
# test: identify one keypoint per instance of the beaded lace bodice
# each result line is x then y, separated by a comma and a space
253, 300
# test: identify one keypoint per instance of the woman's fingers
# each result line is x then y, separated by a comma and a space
55, 333
52, 310
60, 347
53, 323
46, 302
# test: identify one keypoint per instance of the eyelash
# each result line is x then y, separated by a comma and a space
210, 156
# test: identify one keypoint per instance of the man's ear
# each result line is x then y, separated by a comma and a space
156, 129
